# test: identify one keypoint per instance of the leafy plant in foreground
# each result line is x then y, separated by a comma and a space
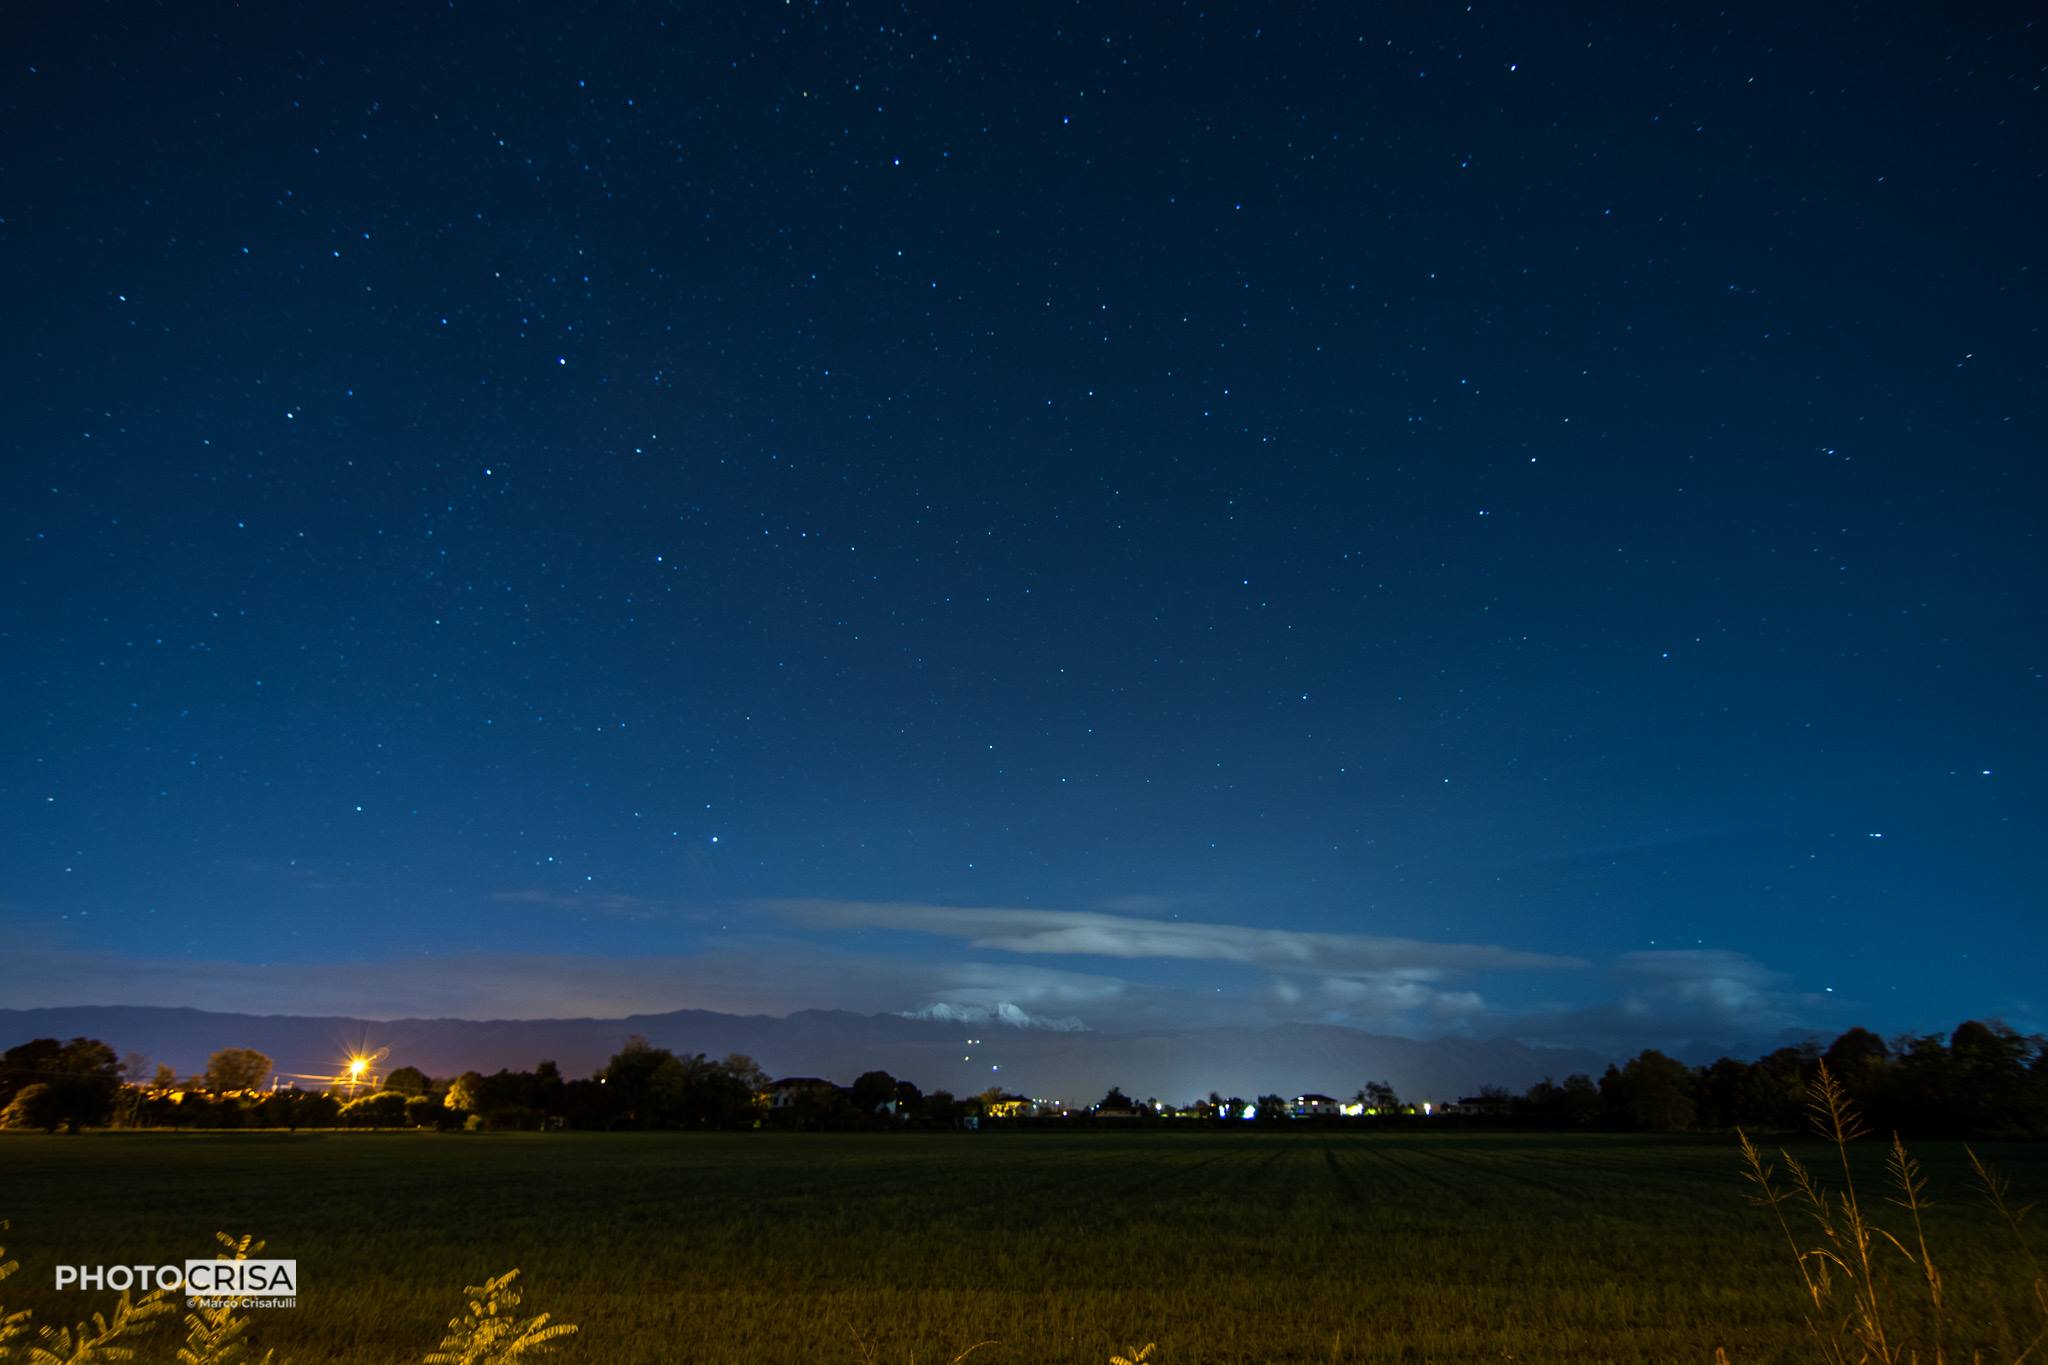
13, 1326
490, 1334
213, 1336
101, 1339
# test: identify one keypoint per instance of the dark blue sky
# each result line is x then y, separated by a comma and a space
1453, 519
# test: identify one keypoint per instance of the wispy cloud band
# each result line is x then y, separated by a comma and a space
1090, 933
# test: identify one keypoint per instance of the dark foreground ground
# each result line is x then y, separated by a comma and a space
1219, 1247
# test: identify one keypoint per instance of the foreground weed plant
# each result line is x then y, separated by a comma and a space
489, 1333
213, 1336
13, 1326
105, 1337
1850, 1268
100, 1339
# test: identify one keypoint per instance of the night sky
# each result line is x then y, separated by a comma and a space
1452, 519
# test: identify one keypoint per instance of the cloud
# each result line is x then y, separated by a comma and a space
988, 983
985, 992
1458, 1006
1690, 1001
1089, 933
764, 977
1003, 1012
1708, 981
1402, 1001
1388, 992
1388, 984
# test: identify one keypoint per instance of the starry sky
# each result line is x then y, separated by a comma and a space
1444, 518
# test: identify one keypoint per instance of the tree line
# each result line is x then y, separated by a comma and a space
47, 1084
1982, 1080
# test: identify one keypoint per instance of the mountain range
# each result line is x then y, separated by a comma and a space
1077, 1066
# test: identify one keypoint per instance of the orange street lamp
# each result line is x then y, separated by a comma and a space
357, 1070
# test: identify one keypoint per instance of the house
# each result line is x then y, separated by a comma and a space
1314, 1107
794, 1090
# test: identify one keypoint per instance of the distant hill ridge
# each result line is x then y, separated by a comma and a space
1076, 1066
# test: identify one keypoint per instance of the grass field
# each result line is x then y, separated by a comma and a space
1242, 1246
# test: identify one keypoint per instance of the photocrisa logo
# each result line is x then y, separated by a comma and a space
251, 1283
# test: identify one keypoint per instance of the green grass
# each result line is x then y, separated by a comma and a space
1239, 1246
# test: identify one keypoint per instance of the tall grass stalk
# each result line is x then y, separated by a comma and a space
1998, 1194
1849, 1265
869, 1356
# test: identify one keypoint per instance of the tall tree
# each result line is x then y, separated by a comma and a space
1378, 1098
1659, 1093
872, 1090
629, 1081
1988, 1068
1854, 1058
27, 1064
407, 1080
73, 1084
465, 1092
746, 1071
236, 1068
